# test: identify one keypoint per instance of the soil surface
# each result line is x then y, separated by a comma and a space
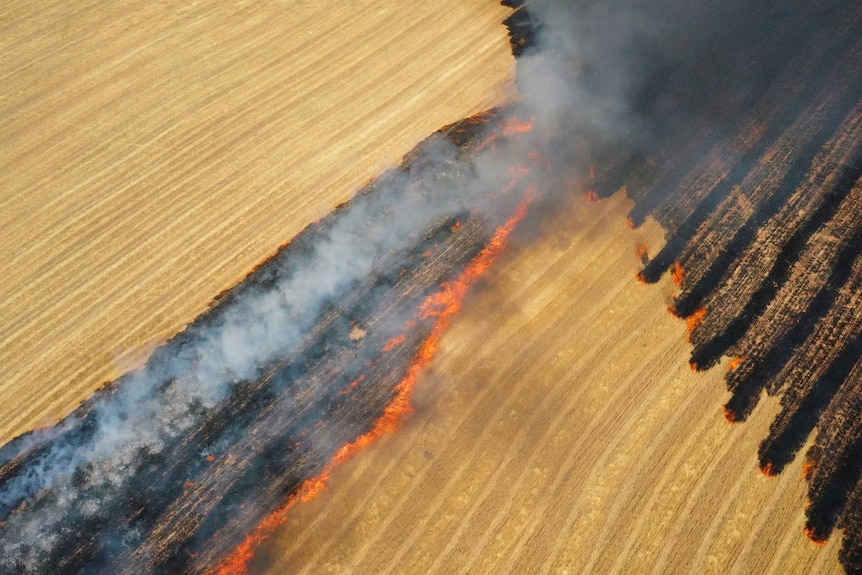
561, 430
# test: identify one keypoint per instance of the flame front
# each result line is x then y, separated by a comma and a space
729, 415
510, 127
395, 342
808, 469
677, 274
694, 320
815, 538
735, 363
440, 306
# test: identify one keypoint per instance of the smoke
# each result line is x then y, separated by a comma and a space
600, 78
59, 479
640, 75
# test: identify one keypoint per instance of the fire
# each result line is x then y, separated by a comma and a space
514, 126
440, 306
591, 194
631, 223
729, 415
815, 538
677, 274
768, 470
642, 251
694, 320
352, 385
808, 469
394, 342
509, 127
735, 363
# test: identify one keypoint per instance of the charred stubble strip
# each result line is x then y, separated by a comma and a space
764, 266
736, 226
774, 337
706, 112
766, 227
803, 407
522, 29
203, 503
692, 201
677, 180
175, 489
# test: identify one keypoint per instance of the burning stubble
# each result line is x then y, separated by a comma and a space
738, 128
697, 108
167, 469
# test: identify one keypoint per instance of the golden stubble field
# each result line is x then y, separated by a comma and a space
152, 153
560, 430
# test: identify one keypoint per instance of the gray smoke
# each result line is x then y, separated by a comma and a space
624, 73
153, 407
602, 76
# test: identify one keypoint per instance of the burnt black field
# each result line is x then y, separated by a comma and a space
737, 127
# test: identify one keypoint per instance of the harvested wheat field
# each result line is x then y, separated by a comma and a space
152, 154
362, 287
560, 430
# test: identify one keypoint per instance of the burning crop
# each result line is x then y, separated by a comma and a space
186, 465
750, 163
440, 306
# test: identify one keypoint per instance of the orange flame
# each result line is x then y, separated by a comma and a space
395, 342
514, 126
694, 320
729, 415
808, 469
592, 197
735, 363
442, 306
352, 385
631, 223
509, 127
815, 538
768, 470
677, 274
642, 252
